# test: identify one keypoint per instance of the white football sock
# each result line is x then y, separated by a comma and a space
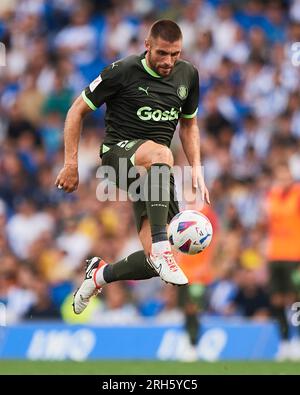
99, 276
160, 247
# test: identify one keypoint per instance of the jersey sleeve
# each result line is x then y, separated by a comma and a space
104, 87
190, 107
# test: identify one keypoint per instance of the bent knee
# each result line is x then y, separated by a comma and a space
161, 154
150, 152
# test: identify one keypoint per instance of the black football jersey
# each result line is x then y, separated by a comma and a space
140, 104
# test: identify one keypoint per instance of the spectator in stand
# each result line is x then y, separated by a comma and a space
250, 300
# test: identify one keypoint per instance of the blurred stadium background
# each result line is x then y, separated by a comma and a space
249, 115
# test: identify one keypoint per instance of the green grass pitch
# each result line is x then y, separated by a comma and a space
148, 367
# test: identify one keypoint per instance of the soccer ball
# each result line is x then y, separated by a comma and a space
190, 232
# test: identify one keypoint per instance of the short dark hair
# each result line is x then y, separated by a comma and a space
166, 29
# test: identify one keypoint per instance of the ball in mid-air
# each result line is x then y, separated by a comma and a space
190, 232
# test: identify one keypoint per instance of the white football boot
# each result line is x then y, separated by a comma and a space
89, 287
165, 265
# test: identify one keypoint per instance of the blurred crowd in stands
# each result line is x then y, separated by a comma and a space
249, 116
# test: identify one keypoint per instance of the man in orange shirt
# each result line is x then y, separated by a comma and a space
283, 248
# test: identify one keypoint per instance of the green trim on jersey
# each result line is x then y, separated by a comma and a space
88, 102
189, 115
150, 71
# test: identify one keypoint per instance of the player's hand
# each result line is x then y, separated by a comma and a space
198, 182
68, 178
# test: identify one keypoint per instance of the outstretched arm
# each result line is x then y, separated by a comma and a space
68, 178
190, 139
